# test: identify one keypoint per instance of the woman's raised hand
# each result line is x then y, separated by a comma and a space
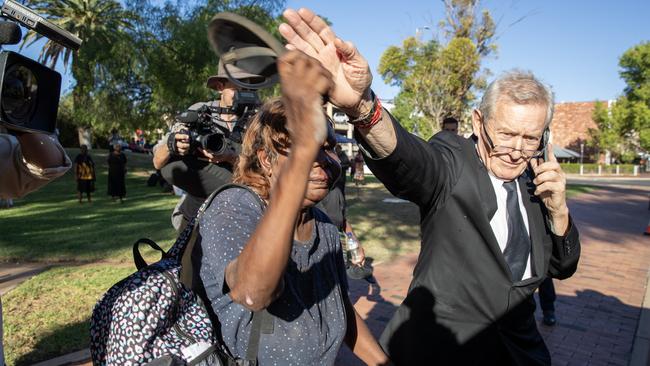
304, 81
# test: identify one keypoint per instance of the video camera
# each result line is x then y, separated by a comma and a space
242, 46
205, 132
29, 91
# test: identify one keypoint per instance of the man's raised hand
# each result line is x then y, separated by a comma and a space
550, 182
307, 32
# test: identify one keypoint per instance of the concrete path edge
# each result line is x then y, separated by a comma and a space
71, 358
641, 346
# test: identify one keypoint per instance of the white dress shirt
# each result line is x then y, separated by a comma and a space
499, 221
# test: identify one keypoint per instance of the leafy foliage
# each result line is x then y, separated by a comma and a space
439, 79
139, 63
634, 114
624, 129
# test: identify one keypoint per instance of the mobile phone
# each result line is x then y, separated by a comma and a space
544, 143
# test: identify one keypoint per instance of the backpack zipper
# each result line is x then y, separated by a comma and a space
176, 327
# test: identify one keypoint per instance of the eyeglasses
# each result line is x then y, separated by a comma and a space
502, 150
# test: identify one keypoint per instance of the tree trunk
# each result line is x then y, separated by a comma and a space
85, 136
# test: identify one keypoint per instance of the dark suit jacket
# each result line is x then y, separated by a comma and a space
462, 307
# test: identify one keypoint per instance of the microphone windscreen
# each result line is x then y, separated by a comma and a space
10, 33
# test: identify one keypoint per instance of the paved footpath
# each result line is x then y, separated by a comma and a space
598, 309
11, 274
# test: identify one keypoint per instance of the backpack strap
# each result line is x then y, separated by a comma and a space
187, 271
137, 256
262, 321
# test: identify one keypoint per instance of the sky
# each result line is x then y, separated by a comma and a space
573, 45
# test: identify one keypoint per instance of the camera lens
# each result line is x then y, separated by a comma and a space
214, 142
19, 91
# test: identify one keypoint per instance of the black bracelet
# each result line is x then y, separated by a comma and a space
366, 118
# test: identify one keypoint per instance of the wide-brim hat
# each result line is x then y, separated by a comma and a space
235, 72
238, 41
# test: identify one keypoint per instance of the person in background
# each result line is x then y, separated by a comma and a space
113, 139
334, 205
201, 173
450, 124
546, 295
28, 161
6, 203
117, 173
359, 175
84, 168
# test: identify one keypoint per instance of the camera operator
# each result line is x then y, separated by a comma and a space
28, 161
199, 171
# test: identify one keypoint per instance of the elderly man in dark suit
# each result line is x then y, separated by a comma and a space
494, 217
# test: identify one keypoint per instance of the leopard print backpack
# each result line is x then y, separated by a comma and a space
153, 317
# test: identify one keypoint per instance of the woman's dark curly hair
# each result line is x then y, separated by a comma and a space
267, 131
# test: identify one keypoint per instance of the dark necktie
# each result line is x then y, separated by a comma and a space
518, 244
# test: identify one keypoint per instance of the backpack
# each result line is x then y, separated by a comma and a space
154, 317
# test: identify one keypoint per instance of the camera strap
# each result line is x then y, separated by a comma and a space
171, 144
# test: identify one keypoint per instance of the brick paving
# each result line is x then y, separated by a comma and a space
597, 309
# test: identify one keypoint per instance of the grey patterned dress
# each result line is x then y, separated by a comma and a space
309, 316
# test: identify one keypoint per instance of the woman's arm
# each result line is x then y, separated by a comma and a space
360, 340
254, 277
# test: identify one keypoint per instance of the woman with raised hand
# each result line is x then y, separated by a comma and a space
284, 255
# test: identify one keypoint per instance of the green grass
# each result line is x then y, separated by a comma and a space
385, 230
50, 225
49, 315
574, 190
592, 168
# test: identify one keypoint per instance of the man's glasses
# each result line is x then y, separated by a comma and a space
502, 150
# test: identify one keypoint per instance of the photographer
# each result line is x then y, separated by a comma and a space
28, 161
195, 170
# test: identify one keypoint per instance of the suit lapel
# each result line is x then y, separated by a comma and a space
535, 222
488, 203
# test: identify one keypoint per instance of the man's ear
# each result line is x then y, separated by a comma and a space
476, 122
265, 161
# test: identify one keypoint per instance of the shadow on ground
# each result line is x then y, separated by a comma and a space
54, 344
593, 328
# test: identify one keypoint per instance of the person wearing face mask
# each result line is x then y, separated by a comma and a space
494, 217
283, 256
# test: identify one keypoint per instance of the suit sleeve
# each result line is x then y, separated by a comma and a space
566, 253
417, 171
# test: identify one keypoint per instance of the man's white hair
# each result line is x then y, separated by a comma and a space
518, 86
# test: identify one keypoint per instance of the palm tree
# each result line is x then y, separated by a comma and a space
93, 21
100, 24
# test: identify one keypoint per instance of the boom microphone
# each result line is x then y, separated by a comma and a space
31, 20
